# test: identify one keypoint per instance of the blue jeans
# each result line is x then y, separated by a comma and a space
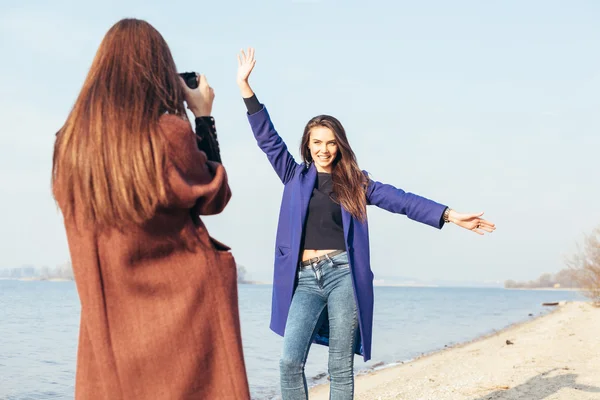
325, 290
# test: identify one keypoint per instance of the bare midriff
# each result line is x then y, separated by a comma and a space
308, 254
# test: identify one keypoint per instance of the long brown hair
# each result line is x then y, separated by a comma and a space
110, 153
349, 182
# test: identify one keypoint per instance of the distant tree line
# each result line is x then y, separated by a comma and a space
241, 273
583, 271
63, 271
586, 263
19, 272
563, 279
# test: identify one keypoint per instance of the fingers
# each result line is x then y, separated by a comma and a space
204, 85
487, 228
487, 224
244, 58
473, 216
482, 226
477, 229
186, 89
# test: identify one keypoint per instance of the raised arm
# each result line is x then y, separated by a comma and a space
193, 182
200, 101
264, 132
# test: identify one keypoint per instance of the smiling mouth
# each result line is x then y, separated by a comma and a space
324, 158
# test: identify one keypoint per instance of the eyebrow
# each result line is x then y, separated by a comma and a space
319, 140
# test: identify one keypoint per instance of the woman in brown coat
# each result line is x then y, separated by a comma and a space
159, 311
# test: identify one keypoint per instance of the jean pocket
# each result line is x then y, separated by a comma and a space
341, 261
341, 266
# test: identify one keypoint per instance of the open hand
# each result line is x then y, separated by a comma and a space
472, 222
246, 64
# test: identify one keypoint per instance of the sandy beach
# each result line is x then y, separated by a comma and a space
553, 357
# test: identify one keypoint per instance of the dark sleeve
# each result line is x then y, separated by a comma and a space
252, 104
207, 138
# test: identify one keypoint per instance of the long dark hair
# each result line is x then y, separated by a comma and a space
349, 182
110, 150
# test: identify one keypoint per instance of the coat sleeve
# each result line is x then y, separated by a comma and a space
193, 182
398, 201
272, 145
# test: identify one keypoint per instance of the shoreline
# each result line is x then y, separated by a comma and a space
538, 359
549, 289
37, 279
321, 379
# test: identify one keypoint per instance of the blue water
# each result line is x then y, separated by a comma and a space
39, 326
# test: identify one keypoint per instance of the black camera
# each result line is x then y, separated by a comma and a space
190, 78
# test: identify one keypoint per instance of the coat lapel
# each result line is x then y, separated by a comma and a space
346, 222
307, 185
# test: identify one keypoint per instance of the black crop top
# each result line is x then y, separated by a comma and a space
323, 229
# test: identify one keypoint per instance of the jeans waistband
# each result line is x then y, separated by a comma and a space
308, 263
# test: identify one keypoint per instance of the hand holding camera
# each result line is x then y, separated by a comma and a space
199, 95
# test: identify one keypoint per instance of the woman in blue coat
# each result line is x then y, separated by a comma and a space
322, 283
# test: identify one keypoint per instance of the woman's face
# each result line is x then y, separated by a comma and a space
323, 148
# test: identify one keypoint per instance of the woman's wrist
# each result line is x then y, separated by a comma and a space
245, 89
452, 216
449, 215
201, 111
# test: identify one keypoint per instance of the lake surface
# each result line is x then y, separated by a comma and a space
39, 324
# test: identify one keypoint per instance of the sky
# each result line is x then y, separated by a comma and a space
483, 106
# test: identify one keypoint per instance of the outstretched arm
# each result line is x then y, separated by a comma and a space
422, 209
398, 201
266, 136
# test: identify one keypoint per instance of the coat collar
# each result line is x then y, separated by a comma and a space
308, 178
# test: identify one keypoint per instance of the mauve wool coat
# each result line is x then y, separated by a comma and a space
159, 306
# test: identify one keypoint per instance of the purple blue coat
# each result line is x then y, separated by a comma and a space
299, 180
